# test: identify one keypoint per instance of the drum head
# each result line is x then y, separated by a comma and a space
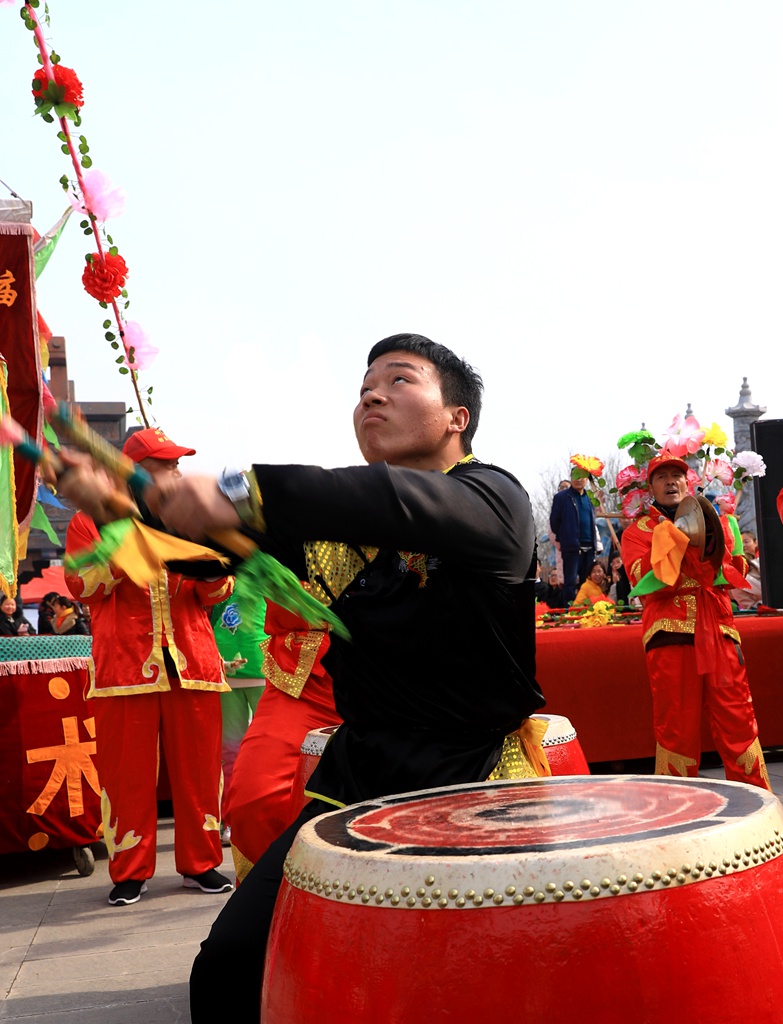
536, 841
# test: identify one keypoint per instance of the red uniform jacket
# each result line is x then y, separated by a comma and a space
132, 625
698, 596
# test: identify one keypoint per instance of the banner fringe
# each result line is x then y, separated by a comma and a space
48, 665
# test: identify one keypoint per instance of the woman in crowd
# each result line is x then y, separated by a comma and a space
595, 587
68, 619
12, 620
46, 613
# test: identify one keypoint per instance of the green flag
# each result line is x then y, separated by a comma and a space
45, 245
40, 521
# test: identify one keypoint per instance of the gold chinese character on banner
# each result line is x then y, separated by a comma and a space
7, 294
72, 760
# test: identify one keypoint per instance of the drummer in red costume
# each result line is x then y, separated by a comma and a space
158, 676
693, 649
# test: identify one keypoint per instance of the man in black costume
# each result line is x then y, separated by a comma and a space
428, 557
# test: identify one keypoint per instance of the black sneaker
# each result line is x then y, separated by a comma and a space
125, 893
209, 881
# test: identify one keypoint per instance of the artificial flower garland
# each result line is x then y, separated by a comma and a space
58, 92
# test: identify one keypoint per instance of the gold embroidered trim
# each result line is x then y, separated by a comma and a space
748, 762
644, 524
187, 684
293, 683
242, 864
636, 571
669, 626
336, 563
666, 760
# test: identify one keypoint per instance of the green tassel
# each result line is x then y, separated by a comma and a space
102, 551
648, 584
261, 575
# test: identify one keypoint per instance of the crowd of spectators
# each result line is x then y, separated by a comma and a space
604, 577
57, 615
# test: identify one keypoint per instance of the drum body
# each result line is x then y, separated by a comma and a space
603, 900
561, 746
310, 752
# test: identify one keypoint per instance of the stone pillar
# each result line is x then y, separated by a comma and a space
744, 413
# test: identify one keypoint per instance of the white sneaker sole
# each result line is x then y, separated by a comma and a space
123, 901
191, 883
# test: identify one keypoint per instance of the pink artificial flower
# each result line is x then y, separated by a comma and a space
684, 436
628, 476
693, 480
8, 3
634, 503
727, 503
719, 469
99, 196
136, 338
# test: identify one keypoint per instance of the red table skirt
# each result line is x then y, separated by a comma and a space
51, 795
598, 679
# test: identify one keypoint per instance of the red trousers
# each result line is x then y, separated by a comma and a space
265, 767
679, 696
187, 724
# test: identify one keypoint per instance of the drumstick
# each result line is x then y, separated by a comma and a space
13, 433
137, 478
104, 453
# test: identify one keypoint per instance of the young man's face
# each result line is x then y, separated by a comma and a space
669, 486
401, 418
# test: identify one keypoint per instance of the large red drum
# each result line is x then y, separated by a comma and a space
603, 900
562, 748
310, 753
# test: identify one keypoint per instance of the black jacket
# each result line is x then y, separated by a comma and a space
564, 520
441, 661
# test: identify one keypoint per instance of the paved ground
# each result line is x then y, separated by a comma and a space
65, 955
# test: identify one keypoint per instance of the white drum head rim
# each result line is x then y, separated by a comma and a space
538, 876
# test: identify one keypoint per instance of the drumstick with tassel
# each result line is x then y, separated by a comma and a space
265, 576
13, 433
137, 478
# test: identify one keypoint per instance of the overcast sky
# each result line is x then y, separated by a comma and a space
583, 199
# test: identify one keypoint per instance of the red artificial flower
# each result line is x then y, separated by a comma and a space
66, 87
104, 279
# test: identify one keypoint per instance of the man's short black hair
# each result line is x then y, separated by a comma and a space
460, 384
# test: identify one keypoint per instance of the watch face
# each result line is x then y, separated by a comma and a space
235, 486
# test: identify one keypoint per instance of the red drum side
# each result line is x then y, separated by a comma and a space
562, 748
607, 899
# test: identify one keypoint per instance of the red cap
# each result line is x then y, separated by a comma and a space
665, 458
152, 443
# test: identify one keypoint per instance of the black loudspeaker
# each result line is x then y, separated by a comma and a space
766, 437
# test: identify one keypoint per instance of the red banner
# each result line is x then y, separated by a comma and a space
51, 794
19, 342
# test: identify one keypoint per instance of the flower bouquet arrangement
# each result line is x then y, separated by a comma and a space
713, 464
